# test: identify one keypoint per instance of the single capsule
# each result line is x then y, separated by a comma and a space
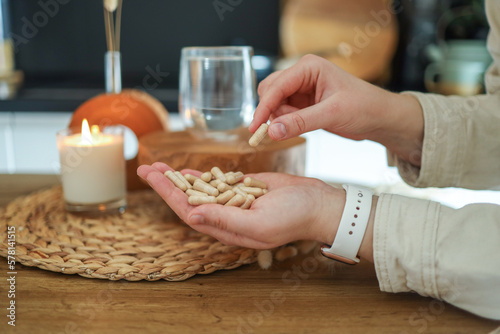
218, 174
285, 253
207, 176
237, 200
223, 187
258, 135
265, 259
192, 192
234, 177
238, 190
175, 180
257, 192
215, 183
205, 187
248, 201
190, 178
183, 179
225, 197
199, 200
251, 182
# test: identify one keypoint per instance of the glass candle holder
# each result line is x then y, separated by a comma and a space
93, 168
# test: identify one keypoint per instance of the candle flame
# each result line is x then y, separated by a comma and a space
86, 136
94, 129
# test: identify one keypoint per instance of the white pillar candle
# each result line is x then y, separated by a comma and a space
92, 166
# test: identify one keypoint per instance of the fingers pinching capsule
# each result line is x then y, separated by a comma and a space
258, 135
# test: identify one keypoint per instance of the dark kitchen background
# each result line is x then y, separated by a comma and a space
63, 60
60, 44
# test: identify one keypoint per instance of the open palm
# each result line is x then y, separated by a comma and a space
295, 208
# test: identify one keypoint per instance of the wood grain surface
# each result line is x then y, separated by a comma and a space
307, 294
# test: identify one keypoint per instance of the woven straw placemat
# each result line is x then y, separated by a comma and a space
147, 242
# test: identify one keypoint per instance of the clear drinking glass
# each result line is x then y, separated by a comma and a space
217, 94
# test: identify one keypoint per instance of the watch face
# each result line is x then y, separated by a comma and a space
324, 251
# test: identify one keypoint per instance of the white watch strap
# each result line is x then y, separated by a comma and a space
352, 225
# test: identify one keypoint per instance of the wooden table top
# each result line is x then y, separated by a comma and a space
307, 294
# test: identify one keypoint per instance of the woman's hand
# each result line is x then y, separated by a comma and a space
316, 94
295, 208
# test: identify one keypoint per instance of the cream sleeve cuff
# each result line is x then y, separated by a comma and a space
443, 147
404, 246
436, 251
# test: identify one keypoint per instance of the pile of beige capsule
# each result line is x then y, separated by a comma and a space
216, 187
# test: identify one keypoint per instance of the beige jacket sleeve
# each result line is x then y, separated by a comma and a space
436, 251
461, 145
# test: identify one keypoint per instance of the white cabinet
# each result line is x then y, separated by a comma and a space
6, 146
34, 141
340, 160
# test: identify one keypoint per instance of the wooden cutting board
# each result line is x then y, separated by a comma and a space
360, 36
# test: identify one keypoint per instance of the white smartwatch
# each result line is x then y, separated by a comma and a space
352, 226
